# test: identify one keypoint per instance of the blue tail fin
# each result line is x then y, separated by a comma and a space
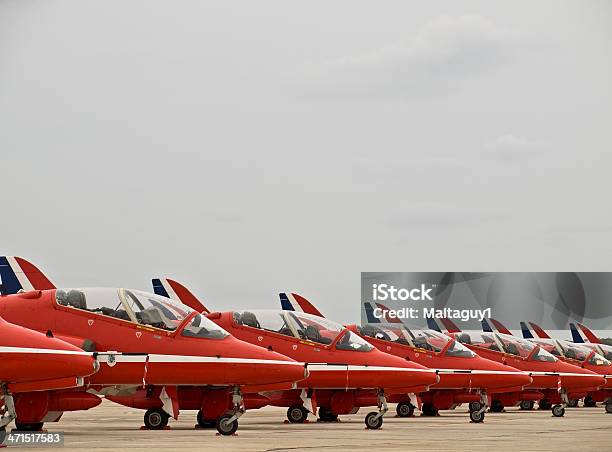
576, 336
486, 327
526, 331
369, 310
159, 288
433, 325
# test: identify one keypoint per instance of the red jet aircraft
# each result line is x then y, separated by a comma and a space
587, 357
346, 372
465, 377
553, 379
31, 365
167, 350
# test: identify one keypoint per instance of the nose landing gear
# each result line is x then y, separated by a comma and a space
228, 423
374, 420
559, 409
478, 409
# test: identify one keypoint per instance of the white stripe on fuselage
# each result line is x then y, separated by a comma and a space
53, 351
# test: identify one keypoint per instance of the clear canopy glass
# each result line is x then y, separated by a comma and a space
139, 307
302, 326
425, 339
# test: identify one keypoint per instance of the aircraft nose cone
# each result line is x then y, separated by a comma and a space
579, 379
258, 366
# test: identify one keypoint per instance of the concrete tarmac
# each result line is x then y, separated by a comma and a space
111, 427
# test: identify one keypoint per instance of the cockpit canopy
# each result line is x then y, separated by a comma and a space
570, 350
505, 343
425, 339
141, 308
302, 326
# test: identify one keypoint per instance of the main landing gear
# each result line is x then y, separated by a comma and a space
404, 409
297, 414
609, 406
527, 405
374, 420
156, 419
228, 423
326, 415
478, 409
203, 422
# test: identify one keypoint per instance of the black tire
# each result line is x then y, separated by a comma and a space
477, 416
205, 423
373, 422
297, 414
609, 407
326, 415
429, 409
558, 411
527, 405
227, 428
496, 406
589, 402
572, 403
544, 405
156, 419
475, 406
29, 426
404, 409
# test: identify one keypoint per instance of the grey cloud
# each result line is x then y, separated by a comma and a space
512, 147
443, 51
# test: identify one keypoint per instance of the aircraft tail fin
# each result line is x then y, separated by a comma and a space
433, 325
576, 336
370, 306
526, 331
170, 288
539, 331
296, 302
17, 274
500, 327
486, 327
450, 326
589, 334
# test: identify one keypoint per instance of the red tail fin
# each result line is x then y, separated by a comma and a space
450, 326
539, 331
170, 288
589, 334
500, 327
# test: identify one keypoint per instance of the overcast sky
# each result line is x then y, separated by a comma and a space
247, 148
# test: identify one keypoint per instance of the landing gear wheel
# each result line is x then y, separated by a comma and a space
404, 409
156, 418
326, 415
609, 407
477, 416
373, 421
227, 428
572, 403
29, 426
589, 402
205, 423
475, 406
497, 406
527, 405
428, 409
544, 405
297, 414
558, 410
